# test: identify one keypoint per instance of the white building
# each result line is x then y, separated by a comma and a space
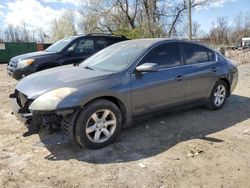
246, 42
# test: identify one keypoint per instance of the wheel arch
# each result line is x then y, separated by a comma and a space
71, 130
114, 100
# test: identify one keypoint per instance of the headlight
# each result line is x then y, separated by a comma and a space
25, 63
51, 99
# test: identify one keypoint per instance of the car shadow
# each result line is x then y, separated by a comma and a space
158, 134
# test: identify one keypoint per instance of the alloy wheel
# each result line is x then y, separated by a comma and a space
101, 126
219, 95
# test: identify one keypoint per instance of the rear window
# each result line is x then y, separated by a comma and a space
197, 54
112, 40
101, 43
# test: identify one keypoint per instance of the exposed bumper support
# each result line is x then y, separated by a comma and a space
26, 118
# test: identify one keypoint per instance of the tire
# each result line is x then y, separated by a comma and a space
218, 95
98, 124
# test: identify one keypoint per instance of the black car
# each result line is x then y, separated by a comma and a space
69, 50
91, 102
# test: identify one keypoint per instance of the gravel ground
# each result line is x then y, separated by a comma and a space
194, 148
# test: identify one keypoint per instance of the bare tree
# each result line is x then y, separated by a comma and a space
195, 29
41, 35
25, 33
151, 14
179, 9
1, 35
63, 27
144, 18
129, 9
10, 33
219, 34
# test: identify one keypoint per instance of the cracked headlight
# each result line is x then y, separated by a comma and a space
25, 63
51, 99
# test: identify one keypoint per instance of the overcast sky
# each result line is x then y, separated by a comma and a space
40, 13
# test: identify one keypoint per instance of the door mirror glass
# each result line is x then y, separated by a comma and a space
147, 67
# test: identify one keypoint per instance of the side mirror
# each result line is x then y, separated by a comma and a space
147, 67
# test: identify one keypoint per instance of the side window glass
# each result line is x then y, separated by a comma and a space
211, 55
197, 54
72, 48
112, 41
165, 55
220, 57
86, 47
101, 43
82, 47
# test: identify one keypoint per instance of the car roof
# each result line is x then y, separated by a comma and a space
147, 42
122, 37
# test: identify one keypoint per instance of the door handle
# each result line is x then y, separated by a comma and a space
214, 69
179, 78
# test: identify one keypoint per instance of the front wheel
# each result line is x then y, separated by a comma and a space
218, 95
98, 124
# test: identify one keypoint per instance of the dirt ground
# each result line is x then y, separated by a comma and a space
194, 148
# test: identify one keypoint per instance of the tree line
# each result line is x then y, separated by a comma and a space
134, 19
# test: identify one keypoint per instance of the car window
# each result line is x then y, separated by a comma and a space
60, 45
165, 55
101, 43
83, 47
197, 54
112, 40
115, 57
220, 57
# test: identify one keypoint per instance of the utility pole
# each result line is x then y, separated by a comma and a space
189, 20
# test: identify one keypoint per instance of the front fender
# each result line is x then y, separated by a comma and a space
118, 88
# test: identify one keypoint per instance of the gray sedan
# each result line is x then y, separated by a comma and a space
90, 103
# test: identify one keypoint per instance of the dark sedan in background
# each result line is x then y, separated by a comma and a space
90, 103
69, 50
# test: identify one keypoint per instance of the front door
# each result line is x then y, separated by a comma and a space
154, 90
79, 51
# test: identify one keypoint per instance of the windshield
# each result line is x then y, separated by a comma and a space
59, 45
115, 58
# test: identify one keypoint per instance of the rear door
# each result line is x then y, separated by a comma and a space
154, 90
101, 43
202, 67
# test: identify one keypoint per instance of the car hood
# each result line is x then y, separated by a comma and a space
39, 83
31, 55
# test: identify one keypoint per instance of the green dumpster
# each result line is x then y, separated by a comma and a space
9, 50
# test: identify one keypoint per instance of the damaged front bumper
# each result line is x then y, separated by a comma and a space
25, 117
54, 121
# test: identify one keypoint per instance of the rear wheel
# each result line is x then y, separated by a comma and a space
218, 95
98, 124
